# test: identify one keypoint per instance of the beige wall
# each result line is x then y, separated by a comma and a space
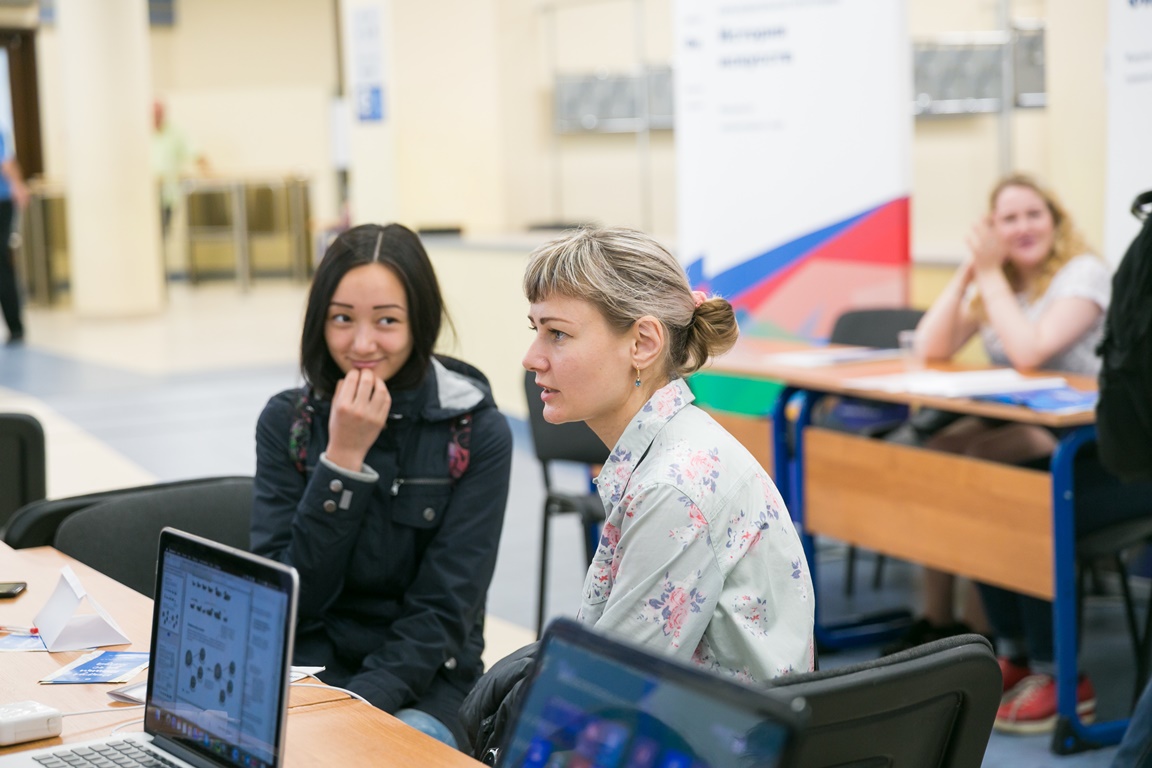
1077, 110
473, 116
481, 288
612, 179
448, 116
470, 110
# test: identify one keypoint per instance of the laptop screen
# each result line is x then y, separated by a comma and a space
593, 701
221, 651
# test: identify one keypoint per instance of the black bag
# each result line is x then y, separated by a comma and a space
1124, 412
491, 706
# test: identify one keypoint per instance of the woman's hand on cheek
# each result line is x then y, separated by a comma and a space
360, 408
985, 246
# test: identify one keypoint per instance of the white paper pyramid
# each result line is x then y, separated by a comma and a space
65, 628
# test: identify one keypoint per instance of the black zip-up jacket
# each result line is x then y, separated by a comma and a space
394, 571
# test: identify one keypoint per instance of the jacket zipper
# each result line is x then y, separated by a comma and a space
417, 481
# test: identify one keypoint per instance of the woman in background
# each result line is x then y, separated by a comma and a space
384, 482
1037, 295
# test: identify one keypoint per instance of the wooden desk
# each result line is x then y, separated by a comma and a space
325, 727
992, 522
353, 733
751, 357
849, 482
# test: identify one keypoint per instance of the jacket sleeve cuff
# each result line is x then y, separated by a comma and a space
365, 475
380, 689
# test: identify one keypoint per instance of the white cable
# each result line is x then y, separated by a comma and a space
101, 711
353, 694
125, 725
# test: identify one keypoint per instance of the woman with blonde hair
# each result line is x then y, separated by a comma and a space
1037, 296
1030, 286
698, 558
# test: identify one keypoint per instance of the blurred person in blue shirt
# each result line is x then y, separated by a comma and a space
13, 196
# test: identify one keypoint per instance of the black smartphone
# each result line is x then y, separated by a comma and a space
12, 588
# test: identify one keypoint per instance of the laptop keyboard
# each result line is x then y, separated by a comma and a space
114, 754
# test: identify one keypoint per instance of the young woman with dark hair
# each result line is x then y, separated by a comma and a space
383, 481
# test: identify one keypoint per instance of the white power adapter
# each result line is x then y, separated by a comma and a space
23, 721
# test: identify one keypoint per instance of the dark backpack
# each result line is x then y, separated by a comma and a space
1124, 413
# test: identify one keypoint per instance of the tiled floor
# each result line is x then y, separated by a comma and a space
175, 396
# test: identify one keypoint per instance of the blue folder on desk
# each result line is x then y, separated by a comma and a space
1059, 400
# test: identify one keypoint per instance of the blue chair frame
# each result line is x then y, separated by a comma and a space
1071, 735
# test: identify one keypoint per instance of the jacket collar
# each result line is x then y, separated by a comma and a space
638, 436
443, 394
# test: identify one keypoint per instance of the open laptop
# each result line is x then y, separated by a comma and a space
222, 629
594, 701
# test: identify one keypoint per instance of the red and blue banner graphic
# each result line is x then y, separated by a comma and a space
793, 141
797, 289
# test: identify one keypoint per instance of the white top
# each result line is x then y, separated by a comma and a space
1085, 276
698, 556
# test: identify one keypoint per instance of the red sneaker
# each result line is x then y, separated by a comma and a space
1012, 673
1030, 707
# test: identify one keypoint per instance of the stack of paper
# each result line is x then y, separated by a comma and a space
956, 384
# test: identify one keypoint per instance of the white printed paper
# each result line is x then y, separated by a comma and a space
956, 384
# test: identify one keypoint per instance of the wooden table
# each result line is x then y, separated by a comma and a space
325, 726
848, 482
992, 522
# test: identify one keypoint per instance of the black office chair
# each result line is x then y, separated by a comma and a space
1115, 522
928, 707
23, 463
35, 524
878, 328
119, 536
573, 442
1114, 544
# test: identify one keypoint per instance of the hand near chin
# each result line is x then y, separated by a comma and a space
984, 245
360, 409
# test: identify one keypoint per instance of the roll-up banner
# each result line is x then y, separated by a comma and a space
793, 144
1129, 78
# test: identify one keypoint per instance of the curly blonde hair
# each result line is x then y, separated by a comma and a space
1067, 242
626, 274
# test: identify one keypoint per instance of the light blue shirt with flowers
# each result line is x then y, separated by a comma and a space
698, 557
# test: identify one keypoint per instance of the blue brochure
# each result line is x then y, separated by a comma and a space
1059, 400
101, 667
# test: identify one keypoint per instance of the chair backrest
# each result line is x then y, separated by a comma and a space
560, 442
874, 327
868, 328
119, 536
928, 707
35, 524
23, 466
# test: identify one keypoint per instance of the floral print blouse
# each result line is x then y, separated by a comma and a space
698, 556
